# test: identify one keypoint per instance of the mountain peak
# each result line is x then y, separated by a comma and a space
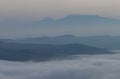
77, 15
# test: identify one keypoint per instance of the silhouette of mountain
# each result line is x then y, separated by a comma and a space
42, 52
71, 24
107, 42
78, 20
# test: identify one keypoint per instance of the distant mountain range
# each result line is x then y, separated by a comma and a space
106, 42
70, 24
78, 20
43, 52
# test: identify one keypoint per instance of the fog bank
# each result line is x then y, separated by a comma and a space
82, 67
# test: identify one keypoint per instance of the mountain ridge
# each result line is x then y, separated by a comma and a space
78, 20
107, 42
44, 52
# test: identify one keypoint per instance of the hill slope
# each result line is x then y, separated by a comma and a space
107, 42
40, 52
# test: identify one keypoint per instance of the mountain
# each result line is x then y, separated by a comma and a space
78, 20
106, 42
70, 24
42, 52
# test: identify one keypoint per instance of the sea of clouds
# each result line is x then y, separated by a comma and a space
81, 67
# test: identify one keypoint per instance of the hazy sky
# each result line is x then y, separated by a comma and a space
36, 9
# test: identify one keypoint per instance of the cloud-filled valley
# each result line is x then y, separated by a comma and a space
59, 39
81, 67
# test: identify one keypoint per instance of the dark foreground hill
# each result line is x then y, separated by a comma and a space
41, 52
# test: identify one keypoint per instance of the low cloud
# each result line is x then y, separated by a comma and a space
82, 67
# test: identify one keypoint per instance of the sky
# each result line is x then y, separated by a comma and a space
14, 13
25, 10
